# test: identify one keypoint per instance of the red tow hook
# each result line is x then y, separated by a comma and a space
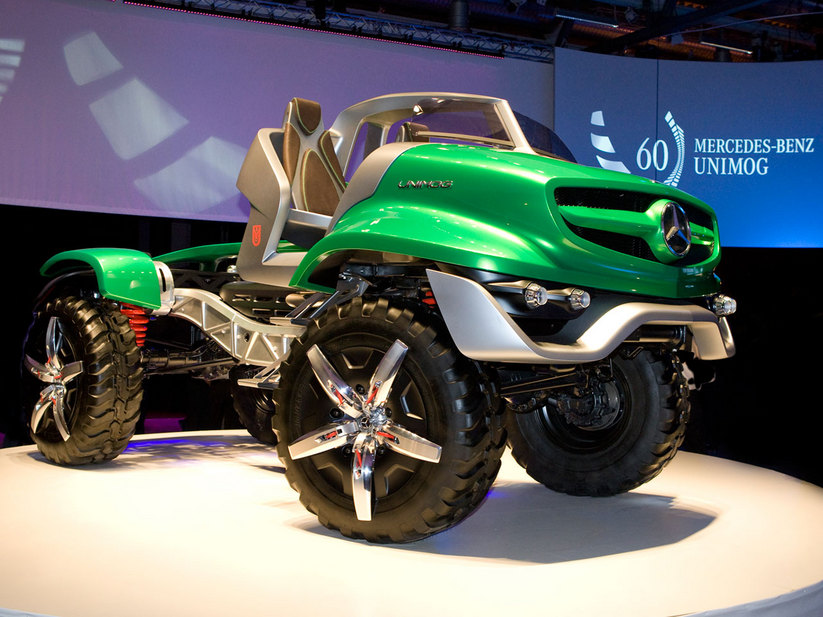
138, 320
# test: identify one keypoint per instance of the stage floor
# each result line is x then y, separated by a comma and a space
204, 524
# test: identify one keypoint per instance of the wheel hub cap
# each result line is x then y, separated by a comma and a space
365, 425
56, 376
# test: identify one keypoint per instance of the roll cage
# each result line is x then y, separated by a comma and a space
444, 117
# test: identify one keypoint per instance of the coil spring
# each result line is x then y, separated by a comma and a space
138, 320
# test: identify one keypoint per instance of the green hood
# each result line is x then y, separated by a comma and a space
527, 216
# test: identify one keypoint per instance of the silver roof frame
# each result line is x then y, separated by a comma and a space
386, 110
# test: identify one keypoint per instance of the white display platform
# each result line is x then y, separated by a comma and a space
204, 524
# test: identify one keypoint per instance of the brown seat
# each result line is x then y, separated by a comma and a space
309, 159
293, 181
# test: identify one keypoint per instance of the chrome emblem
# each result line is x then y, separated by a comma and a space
677, 233
430, 184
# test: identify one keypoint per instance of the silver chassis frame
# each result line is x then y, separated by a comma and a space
248, 341
479, 326
483, 331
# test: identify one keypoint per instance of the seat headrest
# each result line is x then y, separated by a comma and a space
308, 114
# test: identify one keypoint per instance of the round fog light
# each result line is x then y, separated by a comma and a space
723, 305
535, 295
579, 299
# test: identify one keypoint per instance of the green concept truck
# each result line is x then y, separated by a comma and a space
427, 281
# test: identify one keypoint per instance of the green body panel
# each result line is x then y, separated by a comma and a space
494, 210
205, 255
208, 254
122, 274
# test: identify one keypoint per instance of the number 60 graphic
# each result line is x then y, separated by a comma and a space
656, 154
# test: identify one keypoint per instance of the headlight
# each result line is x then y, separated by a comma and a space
723, 305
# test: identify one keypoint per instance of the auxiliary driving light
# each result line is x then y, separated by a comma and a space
579, 299
536, 295
723, 305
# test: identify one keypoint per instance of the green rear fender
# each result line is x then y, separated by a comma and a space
124, 275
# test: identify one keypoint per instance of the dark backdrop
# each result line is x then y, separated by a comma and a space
763, 407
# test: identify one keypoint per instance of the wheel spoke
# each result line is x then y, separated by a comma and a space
40, 407
38, 370
381, 381
59, 416
72, 370
54, 342
325, 438
338, 391
368, 426
362, 471
405, 442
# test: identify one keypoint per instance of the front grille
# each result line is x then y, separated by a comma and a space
631, 201
608, 199
629, 245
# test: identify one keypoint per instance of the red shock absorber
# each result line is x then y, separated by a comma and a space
138, 320
428, 298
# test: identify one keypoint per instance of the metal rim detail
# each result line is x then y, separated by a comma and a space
365, 426
57, 376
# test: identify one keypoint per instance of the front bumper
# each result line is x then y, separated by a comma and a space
482, 330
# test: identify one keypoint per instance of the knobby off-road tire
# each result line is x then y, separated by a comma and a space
654, 409
254, 407
438, 394
102, 403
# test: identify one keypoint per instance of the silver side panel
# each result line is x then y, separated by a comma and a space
482, 330
367, 177
265, 184
309, 218
248, 341
166, 281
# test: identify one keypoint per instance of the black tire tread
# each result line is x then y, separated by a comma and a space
665, 438
254, 408
109, 404
478, 448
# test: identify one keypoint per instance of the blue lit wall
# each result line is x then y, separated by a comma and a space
746, 138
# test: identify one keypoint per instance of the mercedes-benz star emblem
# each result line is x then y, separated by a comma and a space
677, 232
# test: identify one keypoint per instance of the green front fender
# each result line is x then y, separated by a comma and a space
426, 233
124, 275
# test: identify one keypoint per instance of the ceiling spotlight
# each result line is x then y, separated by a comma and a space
717, 45
585, 17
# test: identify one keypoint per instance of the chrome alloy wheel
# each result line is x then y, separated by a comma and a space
365, 425
57, 376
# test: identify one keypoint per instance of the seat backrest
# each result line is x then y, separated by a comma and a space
309, 159
294, 182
